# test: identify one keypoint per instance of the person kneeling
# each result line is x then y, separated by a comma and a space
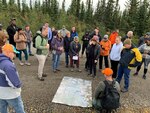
107, 95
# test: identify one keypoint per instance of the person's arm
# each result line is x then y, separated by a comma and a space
12, 76
99, 90
38, 43
16, 38
98, 53
138, 58
108, 47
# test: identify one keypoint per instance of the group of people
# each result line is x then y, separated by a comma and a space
120, 52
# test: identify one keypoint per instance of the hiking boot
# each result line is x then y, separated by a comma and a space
58, 70
21, 63
135, 74
44, 75
31, 54
144, 76
27, 63
79, 70
40, 78
72, 70
54, 71
124, 90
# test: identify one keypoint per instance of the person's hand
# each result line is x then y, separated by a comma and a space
95, 61
47, 46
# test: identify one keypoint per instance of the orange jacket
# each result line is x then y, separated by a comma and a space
105, 48
112, 37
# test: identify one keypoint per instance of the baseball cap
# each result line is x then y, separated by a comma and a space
107, 71
106, 37
10, 48
148, 33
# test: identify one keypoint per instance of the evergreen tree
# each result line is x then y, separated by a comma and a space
89, 11
82, 12
19, 6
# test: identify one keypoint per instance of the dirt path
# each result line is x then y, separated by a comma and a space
37, 95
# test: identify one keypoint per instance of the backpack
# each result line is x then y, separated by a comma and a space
111, 98
34, 40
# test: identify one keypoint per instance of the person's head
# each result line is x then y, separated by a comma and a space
59, 34
130, 34
46, 24
63, 27
3, 38
117, 30
44, 31
68, 34
73, 29
147, 35
76, 39
93, 41
9, 51
53, 29
105, 38
147, 41
118, 39
20, 31
127, 43
107, 72
27, 27
96, 30
13, 21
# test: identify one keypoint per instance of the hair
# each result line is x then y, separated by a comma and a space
119, 37
43, 28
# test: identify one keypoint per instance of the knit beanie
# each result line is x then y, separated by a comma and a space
107, 71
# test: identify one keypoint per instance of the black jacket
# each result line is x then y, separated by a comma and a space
93, 33
11, 30
74, 48
67, 42
96, 51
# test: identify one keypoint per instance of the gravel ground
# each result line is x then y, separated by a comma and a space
37, 95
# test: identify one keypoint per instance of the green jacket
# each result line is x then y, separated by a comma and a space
40, 44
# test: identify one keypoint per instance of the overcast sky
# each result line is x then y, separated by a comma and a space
68, 2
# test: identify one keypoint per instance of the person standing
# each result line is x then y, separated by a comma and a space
104, 52
28, 34
85, 40
130, 57
113, 36
75, 48
73, 33
67, 41
21, 40
115, 55
42, 47
57, 49
93, 55
11, 30
10, 84
145, 51
63, 31
97, 33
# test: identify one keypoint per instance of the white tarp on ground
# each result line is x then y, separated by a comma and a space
74, 92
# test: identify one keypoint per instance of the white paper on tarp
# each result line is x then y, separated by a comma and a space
75, 58
74, 92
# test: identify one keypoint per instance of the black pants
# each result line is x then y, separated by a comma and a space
114, 67
87, 62
92, 66
101, 61
84, 47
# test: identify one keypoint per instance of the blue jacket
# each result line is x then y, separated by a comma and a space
73, 34
8, 74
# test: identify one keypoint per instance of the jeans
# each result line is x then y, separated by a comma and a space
29, 47
126, 72
41, 59
67, 57
16, 103
56, 61
25, 53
